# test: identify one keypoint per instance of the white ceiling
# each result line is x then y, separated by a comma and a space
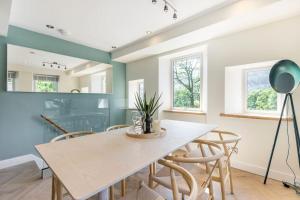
5, 6
241, 15
103, 23
23, 56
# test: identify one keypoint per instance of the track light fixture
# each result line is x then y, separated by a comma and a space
166, 8
168, 5
175, 15
54, 65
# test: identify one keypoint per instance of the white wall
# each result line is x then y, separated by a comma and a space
270, 42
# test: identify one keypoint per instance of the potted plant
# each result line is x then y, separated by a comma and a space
147, 109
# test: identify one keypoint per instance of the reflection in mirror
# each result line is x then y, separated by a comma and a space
31, 70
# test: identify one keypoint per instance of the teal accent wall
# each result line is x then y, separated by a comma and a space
20, 125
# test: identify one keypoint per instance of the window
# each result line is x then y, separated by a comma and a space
186, 82
11, 80
98, 82
45, 83
248, 91
135, 87
259, 95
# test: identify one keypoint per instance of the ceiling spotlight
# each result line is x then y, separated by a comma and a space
63, 32
65, 68
51, 65
166, 8
113, 47
31, 52
154, 1
50, 26
44, 65
58, 66
175, 15
148, 32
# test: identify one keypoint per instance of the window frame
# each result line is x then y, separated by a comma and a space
35, 81
13, 84
200, 55
11, 79
245, 94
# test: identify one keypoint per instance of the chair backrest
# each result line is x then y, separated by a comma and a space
212, 154
228, 140
117, 127
173, 185
71, 135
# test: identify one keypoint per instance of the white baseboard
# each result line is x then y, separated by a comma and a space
255, 169
22, 159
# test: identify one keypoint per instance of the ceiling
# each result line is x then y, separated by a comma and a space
18, 56
5, 6
103, 23
238, 16
24, 56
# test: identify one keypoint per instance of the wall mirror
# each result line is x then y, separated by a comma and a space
32, 70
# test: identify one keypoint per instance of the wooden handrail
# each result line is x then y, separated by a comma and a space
64, 131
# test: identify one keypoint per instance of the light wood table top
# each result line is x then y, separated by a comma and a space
86, 165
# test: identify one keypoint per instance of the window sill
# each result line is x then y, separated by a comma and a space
185, 112
130, 108
254, 116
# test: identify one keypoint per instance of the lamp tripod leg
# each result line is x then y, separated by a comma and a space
275, 140
296, 129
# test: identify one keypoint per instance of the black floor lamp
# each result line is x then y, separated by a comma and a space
284, 78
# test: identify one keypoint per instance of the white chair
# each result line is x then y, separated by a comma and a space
57, 193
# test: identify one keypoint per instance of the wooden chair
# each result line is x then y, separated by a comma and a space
192, 163
115, 127
57, 193
171, 182
143, 193
123, 182
228, 141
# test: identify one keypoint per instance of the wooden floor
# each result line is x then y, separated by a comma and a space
24, 182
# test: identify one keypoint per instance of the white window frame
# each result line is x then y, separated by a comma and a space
34, 82
245, 94
11, 80
201, 106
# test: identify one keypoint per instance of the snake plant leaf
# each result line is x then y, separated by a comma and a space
156, 109
147, 107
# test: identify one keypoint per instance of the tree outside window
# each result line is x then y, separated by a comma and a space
187, 82
45, 83
260, 95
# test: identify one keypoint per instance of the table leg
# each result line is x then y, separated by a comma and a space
103, 195
59, 190
123, 187
111, 193
151, 169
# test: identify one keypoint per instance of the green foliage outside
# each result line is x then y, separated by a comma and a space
186, 76
45, 86
182, 98
262, 99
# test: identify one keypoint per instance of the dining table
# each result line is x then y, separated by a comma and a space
87, 165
